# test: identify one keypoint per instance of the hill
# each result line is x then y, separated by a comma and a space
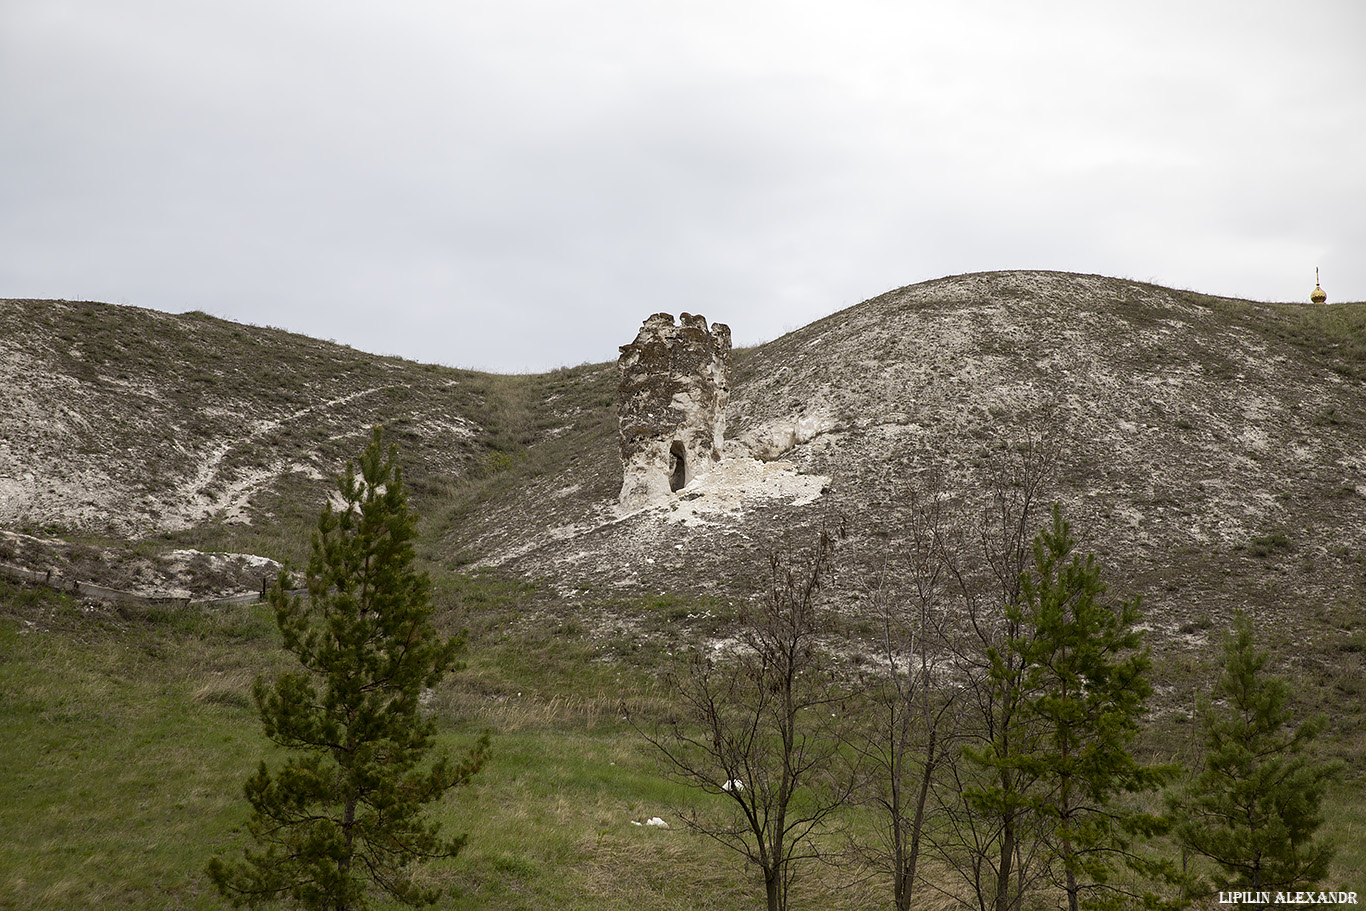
1210, 451
126, 429
1193, 433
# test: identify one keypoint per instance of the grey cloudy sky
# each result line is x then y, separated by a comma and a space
515, 184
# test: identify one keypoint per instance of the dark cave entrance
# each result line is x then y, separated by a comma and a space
678, 466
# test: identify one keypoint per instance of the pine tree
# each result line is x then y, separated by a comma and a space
1075, 668
1254, 807
344, 812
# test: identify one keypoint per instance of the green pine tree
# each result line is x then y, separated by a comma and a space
1075, 667
1254, 807
343, 815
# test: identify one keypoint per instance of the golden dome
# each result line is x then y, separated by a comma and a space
1319, 296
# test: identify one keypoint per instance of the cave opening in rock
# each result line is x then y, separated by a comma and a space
678, 466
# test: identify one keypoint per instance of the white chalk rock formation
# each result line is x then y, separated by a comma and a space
671, 405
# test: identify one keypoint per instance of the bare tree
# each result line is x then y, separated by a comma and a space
994, 828
940, 602
1045, 757
933, 702
756, 728
909, 726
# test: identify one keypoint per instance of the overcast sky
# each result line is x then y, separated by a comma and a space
515, 184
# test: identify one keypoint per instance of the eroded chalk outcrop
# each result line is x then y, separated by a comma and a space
671, 405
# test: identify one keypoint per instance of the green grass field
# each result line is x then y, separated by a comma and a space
126, 734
